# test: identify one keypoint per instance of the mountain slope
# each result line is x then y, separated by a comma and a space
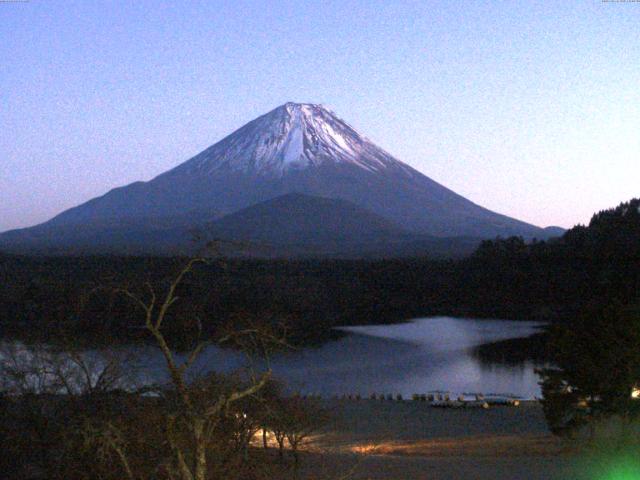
292, 225
295, 225
294, 148
306, 220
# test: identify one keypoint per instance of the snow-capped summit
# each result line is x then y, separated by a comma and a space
296, 148
292, 136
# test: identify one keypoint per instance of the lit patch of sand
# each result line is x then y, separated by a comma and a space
478, 446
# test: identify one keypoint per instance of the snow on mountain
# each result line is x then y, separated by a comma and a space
293, 136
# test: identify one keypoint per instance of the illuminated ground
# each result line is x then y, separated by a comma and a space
410, 441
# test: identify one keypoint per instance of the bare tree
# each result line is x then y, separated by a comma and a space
63, 368
199, 407
302, 418
48, 391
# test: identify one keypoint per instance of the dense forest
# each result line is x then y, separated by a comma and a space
504, 278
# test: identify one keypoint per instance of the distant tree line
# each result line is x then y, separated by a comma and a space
504, 278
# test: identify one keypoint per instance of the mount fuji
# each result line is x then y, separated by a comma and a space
294, 149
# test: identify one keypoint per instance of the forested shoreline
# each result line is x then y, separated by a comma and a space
504, 278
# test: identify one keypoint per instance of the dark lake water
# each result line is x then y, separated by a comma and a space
423, 355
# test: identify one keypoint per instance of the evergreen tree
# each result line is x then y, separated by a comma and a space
598, 368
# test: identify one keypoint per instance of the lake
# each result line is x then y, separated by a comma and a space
426, 354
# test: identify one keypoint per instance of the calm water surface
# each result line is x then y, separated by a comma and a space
423, 355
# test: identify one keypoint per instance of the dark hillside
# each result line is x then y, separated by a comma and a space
505, 278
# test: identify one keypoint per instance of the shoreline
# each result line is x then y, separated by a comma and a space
410, 441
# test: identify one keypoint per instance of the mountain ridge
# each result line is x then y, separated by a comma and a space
301, 148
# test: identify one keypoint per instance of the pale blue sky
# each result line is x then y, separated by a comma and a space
528, 108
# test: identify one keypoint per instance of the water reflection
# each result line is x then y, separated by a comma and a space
419, 356
416, 357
